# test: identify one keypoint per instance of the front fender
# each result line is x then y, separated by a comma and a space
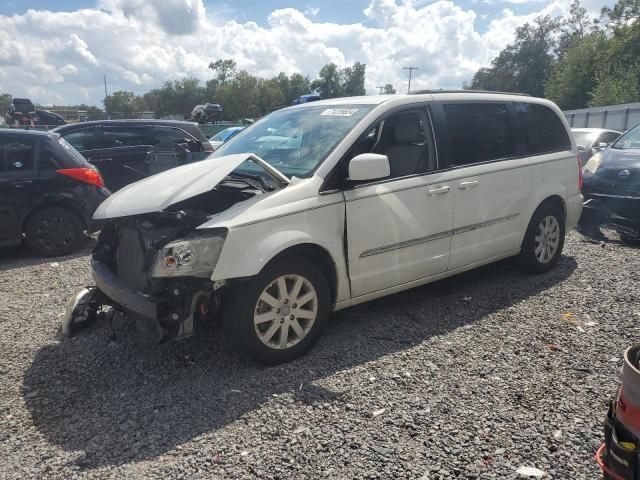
247, 249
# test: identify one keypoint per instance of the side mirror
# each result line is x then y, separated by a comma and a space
602, 145
369, 166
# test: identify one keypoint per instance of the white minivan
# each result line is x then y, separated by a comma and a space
326, 205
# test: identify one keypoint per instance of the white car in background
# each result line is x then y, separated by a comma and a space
363, 197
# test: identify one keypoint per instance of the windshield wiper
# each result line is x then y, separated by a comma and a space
245, 177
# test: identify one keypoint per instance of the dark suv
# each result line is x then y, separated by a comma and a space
22, 111
209, 112
126, 151
48, 192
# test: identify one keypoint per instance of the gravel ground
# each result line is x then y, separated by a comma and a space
470, 377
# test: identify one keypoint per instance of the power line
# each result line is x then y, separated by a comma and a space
411, 69
381, 89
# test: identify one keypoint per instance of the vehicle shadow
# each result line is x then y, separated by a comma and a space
21, 256
116, 404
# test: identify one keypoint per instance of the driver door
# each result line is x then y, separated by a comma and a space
399, 228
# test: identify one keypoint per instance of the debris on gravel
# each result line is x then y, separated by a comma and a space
476, 376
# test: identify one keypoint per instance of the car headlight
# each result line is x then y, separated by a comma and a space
594, 162
193, 256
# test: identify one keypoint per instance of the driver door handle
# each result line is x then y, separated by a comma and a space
438, 191
470, 184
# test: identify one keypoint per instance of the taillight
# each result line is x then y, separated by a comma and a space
84, 175
580, 178
207, 147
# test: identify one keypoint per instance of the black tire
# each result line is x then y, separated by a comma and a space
243, 300
54, 231
527, 259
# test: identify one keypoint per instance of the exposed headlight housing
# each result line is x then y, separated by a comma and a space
594, 162
193, 256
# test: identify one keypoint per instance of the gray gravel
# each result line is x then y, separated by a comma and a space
471, 377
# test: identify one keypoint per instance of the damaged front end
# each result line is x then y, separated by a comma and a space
619, 214
152, 262
155, 268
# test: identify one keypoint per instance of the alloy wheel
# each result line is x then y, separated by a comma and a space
286, 311
547, 239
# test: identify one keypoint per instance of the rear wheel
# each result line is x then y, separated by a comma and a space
544, 239
278, 315
54, 231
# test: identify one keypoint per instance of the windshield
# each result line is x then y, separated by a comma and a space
295, 141
584, 139
629, 140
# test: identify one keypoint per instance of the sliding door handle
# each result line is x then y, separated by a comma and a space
470, 184
438, 191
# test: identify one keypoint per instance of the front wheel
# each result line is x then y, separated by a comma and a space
544, 239
279, 315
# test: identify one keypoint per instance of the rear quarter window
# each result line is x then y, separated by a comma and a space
18, 154
479, 132
542, 130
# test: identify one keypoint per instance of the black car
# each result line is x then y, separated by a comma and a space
21, 111
209, 112
611, 189
48, 192
49, 119
126, 151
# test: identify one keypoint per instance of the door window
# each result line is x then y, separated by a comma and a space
479, 132
76, 139
113, 137
404, 138
543, 131
17, 155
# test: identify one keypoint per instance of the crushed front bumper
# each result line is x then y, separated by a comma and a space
617, 212
115, 289
166, 315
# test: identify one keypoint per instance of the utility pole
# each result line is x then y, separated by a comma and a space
381, 89
105, 96
411, 69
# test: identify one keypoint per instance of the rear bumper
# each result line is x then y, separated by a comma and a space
115, 289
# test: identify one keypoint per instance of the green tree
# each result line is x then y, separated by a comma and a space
622, 14
352, 79
123, 104
389, 90
226, 70
329, 81
238, 96
524, 65
5, 101
574, 78
298, 85
573, 28
268, 96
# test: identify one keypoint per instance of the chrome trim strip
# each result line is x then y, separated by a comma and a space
488, 223
436, 236
406, 243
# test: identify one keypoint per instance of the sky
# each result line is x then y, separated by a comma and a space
58, 51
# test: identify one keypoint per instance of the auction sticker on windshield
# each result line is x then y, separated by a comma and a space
339, 112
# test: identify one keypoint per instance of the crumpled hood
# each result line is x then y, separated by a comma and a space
162, 190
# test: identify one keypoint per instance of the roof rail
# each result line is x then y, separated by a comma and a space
420, 92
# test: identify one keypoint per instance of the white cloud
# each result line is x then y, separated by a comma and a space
139, 44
